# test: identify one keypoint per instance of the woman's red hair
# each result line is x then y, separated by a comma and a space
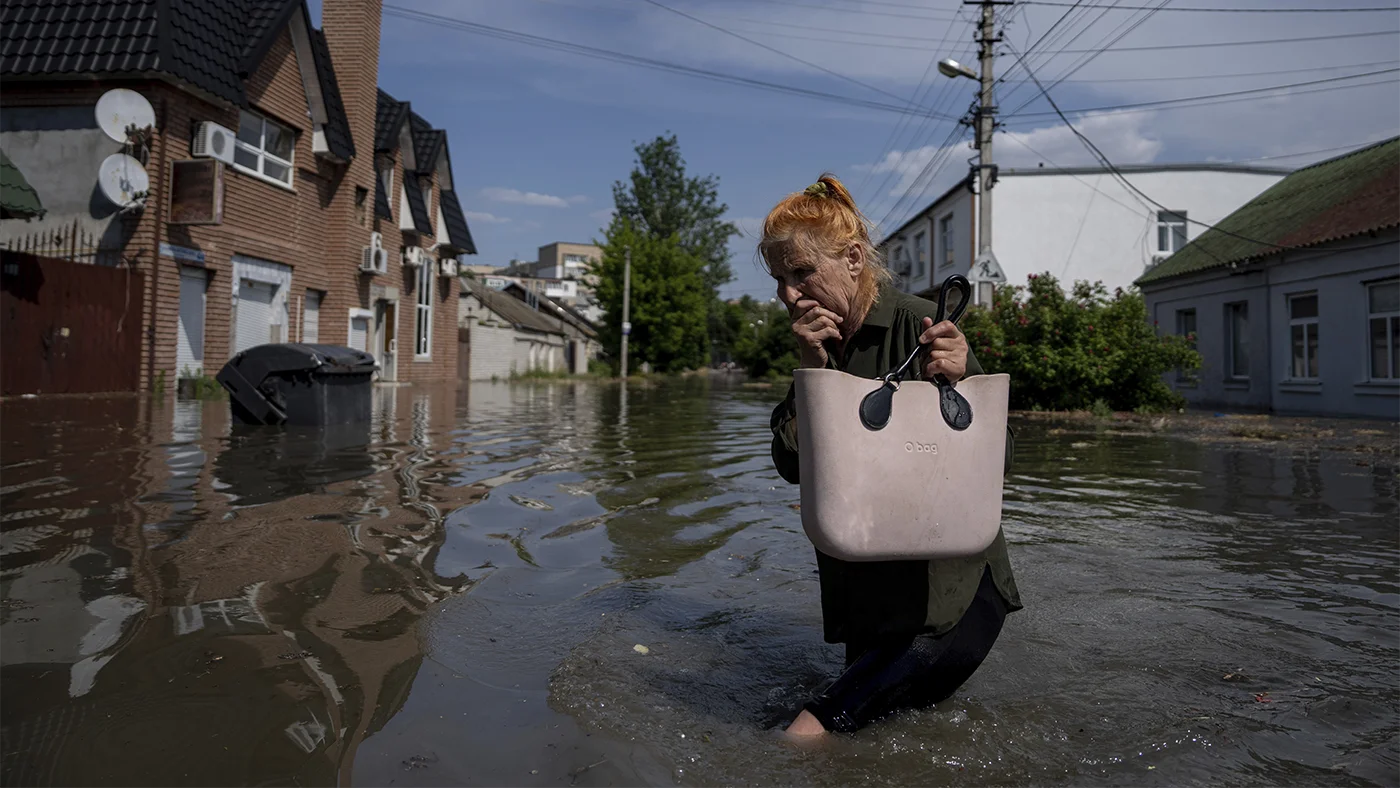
822, 222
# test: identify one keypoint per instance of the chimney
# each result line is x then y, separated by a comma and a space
352, 35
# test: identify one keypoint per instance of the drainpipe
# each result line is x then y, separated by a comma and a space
158, 189
1269, 334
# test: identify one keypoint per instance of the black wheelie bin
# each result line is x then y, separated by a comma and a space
299, 385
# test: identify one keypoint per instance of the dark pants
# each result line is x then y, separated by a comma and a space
911, 672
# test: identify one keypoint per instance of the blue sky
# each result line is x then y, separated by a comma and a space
538, 136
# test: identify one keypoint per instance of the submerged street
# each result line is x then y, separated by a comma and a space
455, 596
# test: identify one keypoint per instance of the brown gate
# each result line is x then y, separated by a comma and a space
464, 354
69, 328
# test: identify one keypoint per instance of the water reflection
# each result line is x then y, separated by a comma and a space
253, 617
465, 582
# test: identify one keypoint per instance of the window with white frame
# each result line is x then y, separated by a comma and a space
1186, 327
1171, 231
1302, 329
920, 255
1237, 340
1384, 317
264, 148
386, 182
945, 240
423, 312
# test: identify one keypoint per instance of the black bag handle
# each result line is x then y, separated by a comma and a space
957, 411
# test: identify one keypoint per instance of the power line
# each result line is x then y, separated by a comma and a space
1300, 39
786, 25
862, 12
1094, 150
1115, 35
1224, 75
775, 50
920, 92
1236, 10
1126, 26
1168, 102
644, 62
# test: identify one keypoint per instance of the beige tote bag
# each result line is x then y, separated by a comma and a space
901, 470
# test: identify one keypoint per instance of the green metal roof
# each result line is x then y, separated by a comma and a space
1355, 193
18, 200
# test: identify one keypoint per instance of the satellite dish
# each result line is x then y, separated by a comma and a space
121, 178
120, 109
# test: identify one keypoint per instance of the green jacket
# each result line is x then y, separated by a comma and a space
867, 599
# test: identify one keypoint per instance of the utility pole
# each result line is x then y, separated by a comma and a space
985, 269
986, 123
626, 304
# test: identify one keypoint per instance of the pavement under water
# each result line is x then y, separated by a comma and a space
454, 595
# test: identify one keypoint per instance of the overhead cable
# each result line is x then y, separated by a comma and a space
644, 62
1234, 9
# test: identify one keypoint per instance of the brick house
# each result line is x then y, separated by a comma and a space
283, 228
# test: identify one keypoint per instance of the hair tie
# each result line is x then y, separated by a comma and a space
817, 189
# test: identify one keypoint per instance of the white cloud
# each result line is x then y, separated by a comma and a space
577, 199
517, 197
1123, 138
486, 218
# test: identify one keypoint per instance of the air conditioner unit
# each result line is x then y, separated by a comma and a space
447, 267
212, 141
373, 258
413, 256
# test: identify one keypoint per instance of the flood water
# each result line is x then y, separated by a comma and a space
453, 598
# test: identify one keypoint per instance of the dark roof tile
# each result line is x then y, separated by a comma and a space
389, 117
428, 142
458, 234
512, 310
338, 137
417, 203
208, 44
1355, 193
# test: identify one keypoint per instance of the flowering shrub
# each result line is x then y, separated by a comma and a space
1065, 351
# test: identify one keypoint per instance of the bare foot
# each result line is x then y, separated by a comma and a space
805, 725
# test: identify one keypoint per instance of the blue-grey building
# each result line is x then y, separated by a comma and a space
1294, 299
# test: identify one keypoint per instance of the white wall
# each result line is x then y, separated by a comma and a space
493, 350
1091, 227
957, 204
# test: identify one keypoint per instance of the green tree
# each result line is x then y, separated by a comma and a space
669, 298
661, 201
763, 342
1067, 351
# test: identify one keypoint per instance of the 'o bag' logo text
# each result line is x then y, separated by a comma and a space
921, 448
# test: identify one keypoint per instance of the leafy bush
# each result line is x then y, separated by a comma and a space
1068, 351
763, 342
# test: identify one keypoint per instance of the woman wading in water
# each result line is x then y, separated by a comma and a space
914, 631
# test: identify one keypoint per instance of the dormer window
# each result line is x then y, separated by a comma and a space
264, 148
386, 182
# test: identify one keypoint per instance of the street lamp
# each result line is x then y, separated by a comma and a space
949, 67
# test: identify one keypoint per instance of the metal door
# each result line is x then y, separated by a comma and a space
311, 317
254, 315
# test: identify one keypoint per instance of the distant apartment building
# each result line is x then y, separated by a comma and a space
1076, 223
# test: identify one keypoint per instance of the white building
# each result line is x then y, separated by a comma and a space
1294, 301
1075, 222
